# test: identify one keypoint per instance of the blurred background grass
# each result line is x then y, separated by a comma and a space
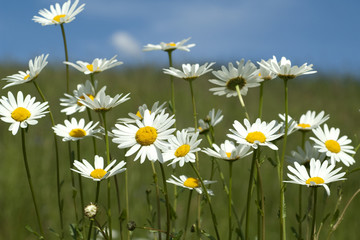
336, 95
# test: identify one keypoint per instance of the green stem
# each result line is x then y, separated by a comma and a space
157, 196
208, 199
261, 99
300, 217
57, 163
108, 180
242, 102
119, 205
261, 202
251, 180
66, 57
80, 180
127, 199
166, 202
314, 215
93, 139
30, 181
96, 200
230, 198
281, 169
187, 214
172, 88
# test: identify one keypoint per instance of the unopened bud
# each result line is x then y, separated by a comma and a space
131, 226
90, 210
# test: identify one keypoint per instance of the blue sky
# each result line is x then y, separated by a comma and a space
324, 33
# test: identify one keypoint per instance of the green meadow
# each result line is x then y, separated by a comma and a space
337, 95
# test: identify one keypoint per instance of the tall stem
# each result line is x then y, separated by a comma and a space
208, 199
261, 99
96, 200
314, 215
57, 163
251, 180
242, 102
80, 180
108, 180
157, 197
30, 181
166, 202
172, 87
300, 217
281, 169
66, 57
230, 198
261, 202
187, 213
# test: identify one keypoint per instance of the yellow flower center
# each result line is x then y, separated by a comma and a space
316, 180
146, 136
26, 77
238, 81
77, 133
255, 136
98, 173
171, 44
57, 17
20, 114
182, 150
304, 125
82, 97
90, 67
333, 146
191, 183
228, 154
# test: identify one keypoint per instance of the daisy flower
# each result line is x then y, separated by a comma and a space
71, 102
182, 148
284, 70
103, 102
190, 183
140, 113
98, 65
264, 73
228, 151
310, 120
35, 67
245, 76
303, 157
338, 149
98, 172
58, 14
211, 120
21, 112
170, 46
189, 71
147, 137
320, 174
259, 133
74, 130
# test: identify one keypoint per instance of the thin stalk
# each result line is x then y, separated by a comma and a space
66, 57
172, 87
108, 180
157, 197
300, 218
119, 205
314, 215
71, 161
57, 163
251, 180
127, 198
187, 213
30, 181
96, 200
242, 101
166, 202
80, 180
261, 199
261, 99
208, 199
230, 198
93, 139
281, 169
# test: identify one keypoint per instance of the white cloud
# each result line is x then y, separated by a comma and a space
126, 44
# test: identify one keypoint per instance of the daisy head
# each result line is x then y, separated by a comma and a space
96, 66
72, 103
228, 151
264, 73
73, 130
244, 76
102, 102
284, 70
320, 174
169, 47
303, 156
310, 120
189, 72
336, 148
35, 67
147, 137
190, 183
182, 148
20, 111
59, 14
256, 134
98, 172
140, 113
